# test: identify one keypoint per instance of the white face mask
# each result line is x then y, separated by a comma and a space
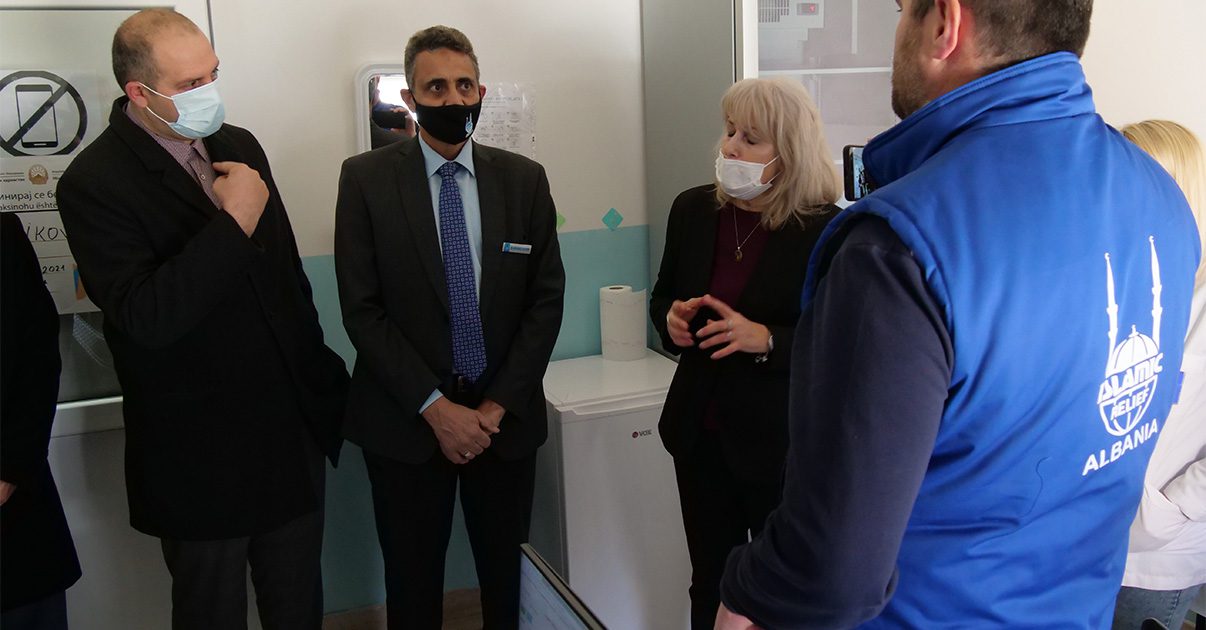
741, 180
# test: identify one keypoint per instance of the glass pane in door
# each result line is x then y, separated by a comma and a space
841, 50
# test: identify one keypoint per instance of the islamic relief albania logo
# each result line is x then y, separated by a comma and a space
1134, 364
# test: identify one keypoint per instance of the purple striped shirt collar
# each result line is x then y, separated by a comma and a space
180, 150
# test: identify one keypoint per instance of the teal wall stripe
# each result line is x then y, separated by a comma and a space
594, 259
351, 559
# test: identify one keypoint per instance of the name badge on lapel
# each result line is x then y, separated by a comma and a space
516, 248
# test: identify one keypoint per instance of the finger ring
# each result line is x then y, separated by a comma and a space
728, 324
729, 335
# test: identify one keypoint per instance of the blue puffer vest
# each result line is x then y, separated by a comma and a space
1063, 259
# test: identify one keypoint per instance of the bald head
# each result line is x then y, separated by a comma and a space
133, 44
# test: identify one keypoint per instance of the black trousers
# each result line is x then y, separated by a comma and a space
720, 511
209, 577
48, 613
414, 505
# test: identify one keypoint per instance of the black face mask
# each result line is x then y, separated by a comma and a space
452, 124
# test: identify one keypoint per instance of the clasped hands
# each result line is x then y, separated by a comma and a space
737, 333
463, 432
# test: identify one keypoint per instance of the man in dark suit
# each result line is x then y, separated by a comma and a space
231, 397
451, 284
37, 556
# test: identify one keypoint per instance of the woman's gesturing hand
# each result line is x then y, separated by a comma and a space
678, 321
733, 329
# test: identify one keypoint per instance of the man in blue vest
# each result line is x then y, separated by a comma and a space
989, 346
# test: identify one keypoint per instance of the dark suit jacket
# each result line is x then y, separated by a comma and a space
395, 300
214, 336
37, 556
751, 398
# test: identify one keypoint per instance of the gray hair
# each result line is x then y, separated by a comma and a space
435, 38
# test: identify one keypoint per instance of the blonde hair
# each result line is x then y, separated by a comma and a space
1180, 153
781, 111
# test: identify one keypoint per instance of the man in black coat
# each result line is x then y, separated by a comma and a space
37, 556
231, 397
451, 286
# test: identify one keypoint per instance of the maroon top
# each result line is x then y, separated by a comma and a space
729, 275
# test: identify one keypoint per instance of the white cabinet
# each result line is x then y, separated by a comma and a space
606, 512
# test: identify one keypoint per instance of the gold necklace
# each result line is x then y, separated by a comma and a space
737, 255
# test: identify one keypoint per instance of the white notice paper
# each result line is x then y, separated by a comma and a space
508, 119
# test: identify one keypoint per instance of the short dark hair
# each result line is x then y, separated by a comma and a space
132, 56
1016, 30
435, 38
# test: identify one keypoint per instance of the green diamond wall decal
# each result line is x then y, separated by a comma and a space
560, 220
612, 219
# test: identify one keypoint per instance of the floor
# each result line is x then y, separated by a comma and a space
462, 611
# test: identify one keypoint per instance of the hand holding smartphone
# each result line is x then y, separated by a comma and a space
858, 184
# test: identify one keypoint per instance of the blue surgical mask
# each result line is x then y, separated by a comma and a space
200, 111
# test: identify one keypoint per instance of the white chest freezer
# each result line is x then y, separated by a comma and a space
606, 512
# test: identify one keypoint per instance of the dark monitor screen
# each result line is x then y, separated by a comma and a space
545, 601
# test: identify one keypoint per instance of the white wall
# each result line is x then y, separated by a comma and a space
1144, 60
287, 70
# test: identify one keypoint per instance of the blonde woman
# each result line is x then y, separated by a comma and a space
727, 299
1166, 563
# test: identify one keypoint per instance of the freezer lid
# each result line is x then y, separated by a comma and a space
574, 382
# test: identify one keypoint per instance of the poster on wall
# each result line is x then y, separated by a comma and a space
58, 90
508, 119
46, 117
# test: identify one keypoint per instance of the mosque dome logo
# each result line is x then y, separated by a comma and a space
1133, 367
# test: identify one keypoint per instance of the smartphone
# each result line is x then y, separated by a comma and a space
858, 184
392, 119
45, 131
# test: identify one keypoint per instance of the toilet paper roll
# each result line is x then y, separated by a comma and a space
622, 323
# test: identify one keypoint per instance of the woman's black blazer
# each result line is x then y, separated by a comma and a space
751, 397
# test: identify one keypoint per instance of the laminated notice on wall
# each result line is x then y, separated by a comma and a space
508, 119
46, 118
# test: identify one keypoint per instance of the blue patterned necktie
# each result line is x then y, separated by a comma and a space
468, 345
